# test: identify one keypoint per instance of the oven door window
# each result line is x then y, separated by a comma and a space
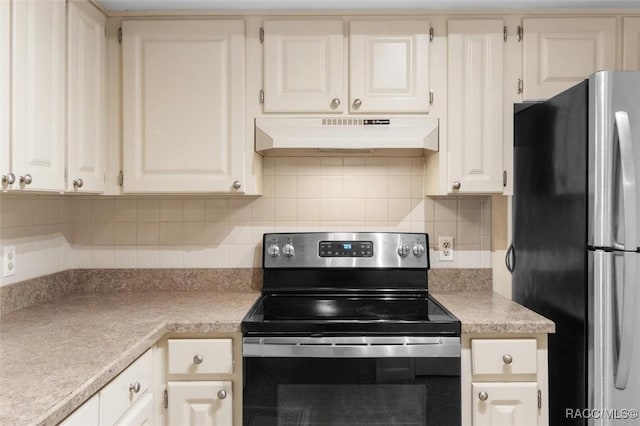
350, 392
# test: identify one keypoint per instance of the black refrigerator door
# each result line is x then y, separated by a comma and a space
549, 235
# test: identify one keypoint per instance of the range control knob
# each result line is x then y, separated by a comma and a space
403, 250
418, 250
273, 250
288, 250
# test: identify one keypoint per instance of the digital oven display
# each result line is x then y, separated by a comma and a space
345, 249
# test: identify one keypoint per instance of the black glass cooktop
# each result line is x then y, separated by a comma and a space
335, 314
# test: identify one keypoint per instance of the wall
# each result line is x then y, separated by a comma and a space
300, 194
41, 229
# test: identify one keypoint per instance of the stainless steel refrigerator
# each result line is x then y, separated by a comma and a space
574, 254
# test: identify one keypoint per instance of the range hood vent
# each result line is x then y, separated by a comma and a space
346, 134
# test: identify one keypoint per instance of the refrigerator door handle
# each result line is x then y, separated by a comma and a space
627, 328
627, 157
510, 258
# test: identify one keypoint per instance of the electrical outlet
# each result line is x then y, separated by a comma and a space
9, 261
445, 249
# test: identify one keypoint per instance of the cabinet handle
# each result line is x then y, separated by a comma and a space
78, 183
335, 103
9, 178
507, 359
483, 396
135, 387
236, 184
198, 359
456, 185
26, 179
222, 394
357, 104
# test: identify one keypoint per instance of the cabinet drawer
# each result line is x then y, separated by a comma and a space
120, 393
200, 356
497, 356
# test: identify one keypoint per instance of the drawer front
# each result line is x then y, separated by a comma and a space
504, 356
122, 392
200, 356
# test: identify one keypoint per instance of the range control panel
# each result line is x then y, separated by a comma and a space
346, 250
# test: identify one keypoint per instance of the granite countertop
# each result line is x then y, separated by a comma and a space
55, 355
486, 312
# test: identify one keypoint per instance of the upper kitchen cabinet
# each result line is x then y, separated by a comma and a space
475, 108
631, 43
389, 66
560, 52
304, 66
183, 106
86, 99
5, 84
38, 94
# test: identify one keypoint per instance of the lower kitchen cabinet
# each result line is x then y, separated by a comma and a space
140, 414
128, 400
508, 404
203, 376
200, 403
504, 380
87, 414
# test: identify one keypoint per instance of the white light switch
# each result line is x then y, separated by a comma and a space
9, 261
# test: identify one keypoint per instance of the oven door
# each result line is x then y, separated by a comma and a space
351, 381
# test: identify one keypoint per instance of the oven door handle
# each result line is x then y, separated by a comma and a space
351, 347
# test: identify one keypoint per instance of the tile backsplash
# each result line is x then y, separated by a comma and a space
54, 233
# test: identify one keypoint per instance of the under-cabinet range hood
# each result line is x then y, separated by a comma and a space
346, 134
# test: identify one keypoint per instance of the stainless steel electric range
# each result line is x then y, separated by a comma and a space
346, 333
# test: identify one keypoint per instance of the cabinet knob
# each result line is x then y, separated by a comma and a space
135, 387
483, 396
507, 359
198, 359
9, 178
335, 103
236, 184
26, 179
78, 183
456, 185
222, 394
357, 103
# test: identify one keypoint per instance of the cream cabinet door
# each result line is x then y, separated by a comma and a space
140, 414
86, 100
389, 66
183, 105
505, 404
200, 403
38, 94
304, 66
88, 414
631, 43
560, 52
475, 115
5, 84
